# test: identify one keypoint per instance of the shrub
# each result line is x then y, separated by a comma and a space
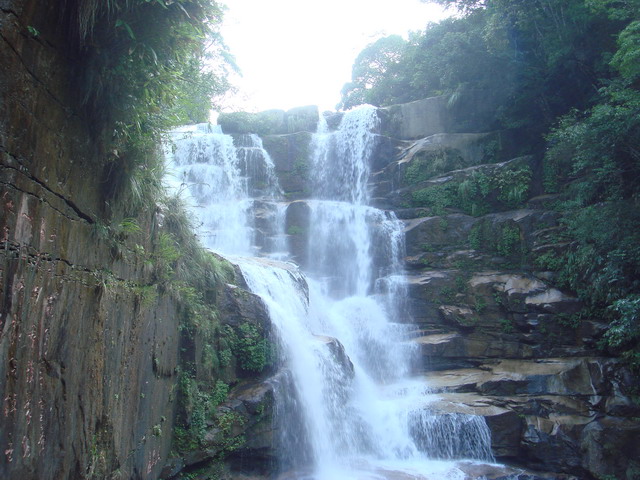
509, 240
425, 165
253, 349
512, 185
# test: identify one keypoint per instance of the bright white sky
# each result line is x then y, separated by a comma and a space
300, 52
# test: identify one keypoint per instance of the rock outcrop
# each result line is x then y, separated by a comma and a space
496, 335
92, 332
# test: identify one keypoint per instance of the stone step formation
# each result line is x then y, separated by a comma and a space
493, 330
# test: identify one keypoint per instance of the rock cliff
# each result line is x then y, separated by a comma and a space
100, 343
496, 335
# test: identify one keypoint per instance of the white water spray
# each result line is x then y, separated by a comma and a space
347, 407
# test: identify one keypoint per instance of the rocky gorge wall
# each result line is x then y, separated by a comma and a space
497, 337
104, 352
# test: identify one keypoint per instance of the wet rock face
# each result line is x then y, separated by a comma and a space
89, 345
297, 223
337, 351
494, 331
87, 364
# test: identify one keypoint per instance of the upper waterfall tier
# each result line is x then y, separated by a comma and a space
222, 178
340, 169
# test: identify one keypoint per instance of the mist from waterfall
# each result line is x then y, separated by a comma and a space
347, 406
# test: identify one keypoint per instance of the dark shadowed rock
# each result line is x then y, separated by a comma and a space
433, 232
333, 119
337, 350
240, 306
270, 122
291, 156
297, 229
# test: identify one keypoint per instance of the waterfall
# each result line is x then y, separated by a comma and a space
341, 170
230, 185
257, 167
204, 166
346, 405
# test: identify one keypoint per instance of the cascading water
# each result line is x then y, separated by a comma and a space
226, 182
347, 407
205, 167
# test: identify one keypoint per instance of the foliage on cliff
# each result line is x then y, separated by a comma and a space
568, 73
143, 61
143, 67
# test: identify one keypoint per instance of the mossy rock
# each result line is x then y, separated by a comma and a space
477, 190
270, 122
263, 123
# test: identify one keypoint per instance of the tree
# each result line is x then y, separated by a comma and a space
551, 56
627, 58
377, 75
140, 59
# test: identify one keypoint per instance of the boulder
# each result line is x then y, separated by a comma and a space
333, 119
610, 448
431, 232
553, 443
270, 122
339, 355
469, 147
240, 306
506, 429
476, 470
473, 112
291, 156
505, 425
415, 119
254, 403
546, 413
581, 377
386, 151
522, 293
